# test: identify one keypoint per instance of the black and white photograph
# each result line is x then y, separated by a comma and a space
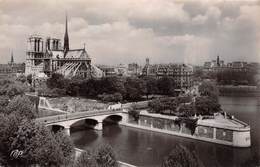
129, 83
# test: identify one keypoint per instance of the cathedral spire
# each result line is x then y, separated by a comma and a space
66, 36
12, 57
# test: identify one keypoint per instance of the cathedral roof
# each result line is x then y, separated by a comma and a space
57, 54
77, 53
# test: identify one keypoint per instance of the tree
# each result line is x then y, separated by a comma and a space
150, 86
206, 106
9, 126
57, 81
187, 110
134, 89
22, 107
21, 78
164, 105
86, 159
208, 88
180, 156
66, 146
166, 86
105, 156
37, 144
116, 97
29, 78
13, 90
134, 112
4, 100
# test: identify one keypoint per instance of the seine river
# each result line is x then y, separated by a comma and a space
145, 148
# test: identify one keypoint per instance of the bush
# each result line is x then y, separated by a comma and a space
163, 105
116, 97
180, 156
86, 159
22, 107
105, 156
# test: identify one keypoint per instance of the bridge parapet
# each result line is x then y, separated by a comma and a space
78, 115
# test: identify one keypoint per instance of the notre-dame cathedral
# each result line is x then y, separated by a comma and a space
45, 57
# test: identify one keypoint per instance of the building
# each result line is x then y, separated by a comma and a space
134, 69
214, 65
45, 57
110, 70
182, 73
238, 66
12, 67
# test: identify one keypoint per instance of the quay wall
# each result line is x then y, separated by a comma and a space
236, 137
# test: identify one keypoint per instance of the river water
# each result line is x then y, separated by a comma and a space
145, 148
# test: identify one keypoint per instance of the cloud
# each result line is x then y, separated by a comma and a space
129, 31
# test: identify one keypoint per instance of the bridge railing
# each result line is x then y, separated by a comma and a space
69, 116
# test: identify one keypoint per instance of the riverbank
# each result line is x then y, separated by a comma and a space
173, 133
241, 90
218, 129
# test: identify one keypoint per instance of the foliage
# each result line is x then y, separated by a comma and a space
86, 159
163, 106
134, 89
183, 99
38, 146
116, 97
105, 156
166, 86
9, 126
208, 88
231, 77
66, 145
22, 107
180, 156
21, 78
4, 100
130, 88
57, 81
150, 86
10, 88
187, 110
206, 106
134, 112
190, 124
29, 78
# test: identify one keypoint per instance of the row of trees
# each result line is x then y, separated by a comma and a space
111, 88
205, 104
231, 77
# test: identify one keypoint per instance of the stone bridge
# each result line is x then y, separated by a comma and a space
93, 119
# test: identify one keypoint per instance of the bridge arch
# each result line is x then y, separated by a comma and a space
115, 118
55, 127
85, 123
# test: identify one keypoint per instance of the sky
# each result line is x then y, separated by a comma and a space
125, 31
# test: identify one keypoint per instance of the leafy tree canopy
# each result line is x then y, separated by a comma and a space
180, 156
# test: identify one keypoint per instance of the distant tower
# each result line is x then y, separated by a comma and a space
66, 37
147, 61
12, 58
218, 61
